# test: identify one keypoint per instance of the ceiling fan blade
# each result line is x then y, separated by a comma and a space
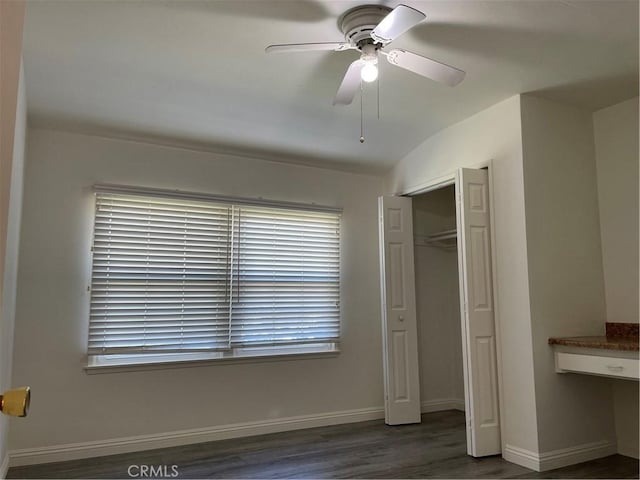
350, 84
308, 47
398, 21
426, 67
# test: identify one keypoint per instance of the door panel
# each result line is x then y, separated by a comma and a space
477, 315
401, 363
399, 327
396, 267
481, 274
485, 349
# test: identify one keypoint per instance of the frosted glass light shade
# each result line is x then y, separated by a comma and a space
369, 72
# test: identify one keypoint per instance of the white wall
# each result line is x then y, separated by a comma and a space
8, 305
493, 134
12, 140
616, 140
438, 304
565, 269
625, 401
69, 406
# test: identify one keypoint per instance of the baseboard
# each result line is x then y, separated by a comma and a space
441, 404
522, 457
577, 454
4, 466
74, 451
628, 451
558, 458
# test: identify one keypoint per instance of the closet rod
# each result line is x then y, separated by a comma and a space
444, 239
443, 236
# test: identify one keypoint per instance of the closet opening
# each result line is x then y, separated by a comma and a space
440, 360
438, 315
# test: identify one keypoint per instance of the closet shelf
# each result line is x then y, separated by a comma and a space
444, 239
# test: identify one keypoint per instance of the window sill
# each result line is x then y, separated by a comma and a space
163, 362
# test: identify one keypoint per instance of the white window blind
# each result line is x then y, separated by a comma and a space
286, 277
160, 278
182, 275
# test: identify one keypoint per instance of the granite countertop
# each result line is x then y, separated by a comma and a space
619, 336
604, 342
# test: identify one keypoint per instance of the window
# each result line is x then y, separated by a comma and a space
177, 276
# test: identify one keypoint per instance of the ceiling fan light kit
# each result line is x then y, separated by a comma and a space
369, 72
369, 57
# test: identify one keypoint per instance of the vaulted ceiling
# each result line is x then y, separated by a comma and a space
195, 73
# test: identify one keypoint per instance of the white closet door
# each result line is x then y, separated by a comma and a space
399, 329
477, 313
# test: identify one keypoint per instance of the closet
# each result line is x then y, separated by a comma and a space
438, 324
438, 300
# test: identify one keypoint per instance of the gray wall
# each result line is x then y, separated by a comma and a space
8, 305
493, 135
565, 269
70, 406
616, 139
548, 263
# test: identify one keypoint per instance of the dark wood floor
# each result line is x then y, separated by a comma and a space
434, 449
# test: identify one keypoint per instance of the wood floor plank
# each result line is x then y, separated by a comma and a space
436, 448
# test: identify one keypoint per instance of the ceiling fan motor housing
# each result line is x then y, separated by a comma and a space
358, 23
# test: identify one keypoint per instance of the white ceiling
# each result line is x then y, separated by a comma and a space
195, 72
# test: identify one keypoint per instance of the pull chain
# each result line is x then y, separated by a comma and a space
378, 82
361, 116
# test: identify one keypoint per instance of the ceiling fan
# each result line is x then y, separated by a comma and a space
369, 29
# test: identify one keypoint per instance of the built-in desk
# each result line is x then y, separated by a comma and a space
612, 355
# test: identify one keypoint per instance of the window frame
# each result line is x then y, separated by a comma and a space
96, 363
